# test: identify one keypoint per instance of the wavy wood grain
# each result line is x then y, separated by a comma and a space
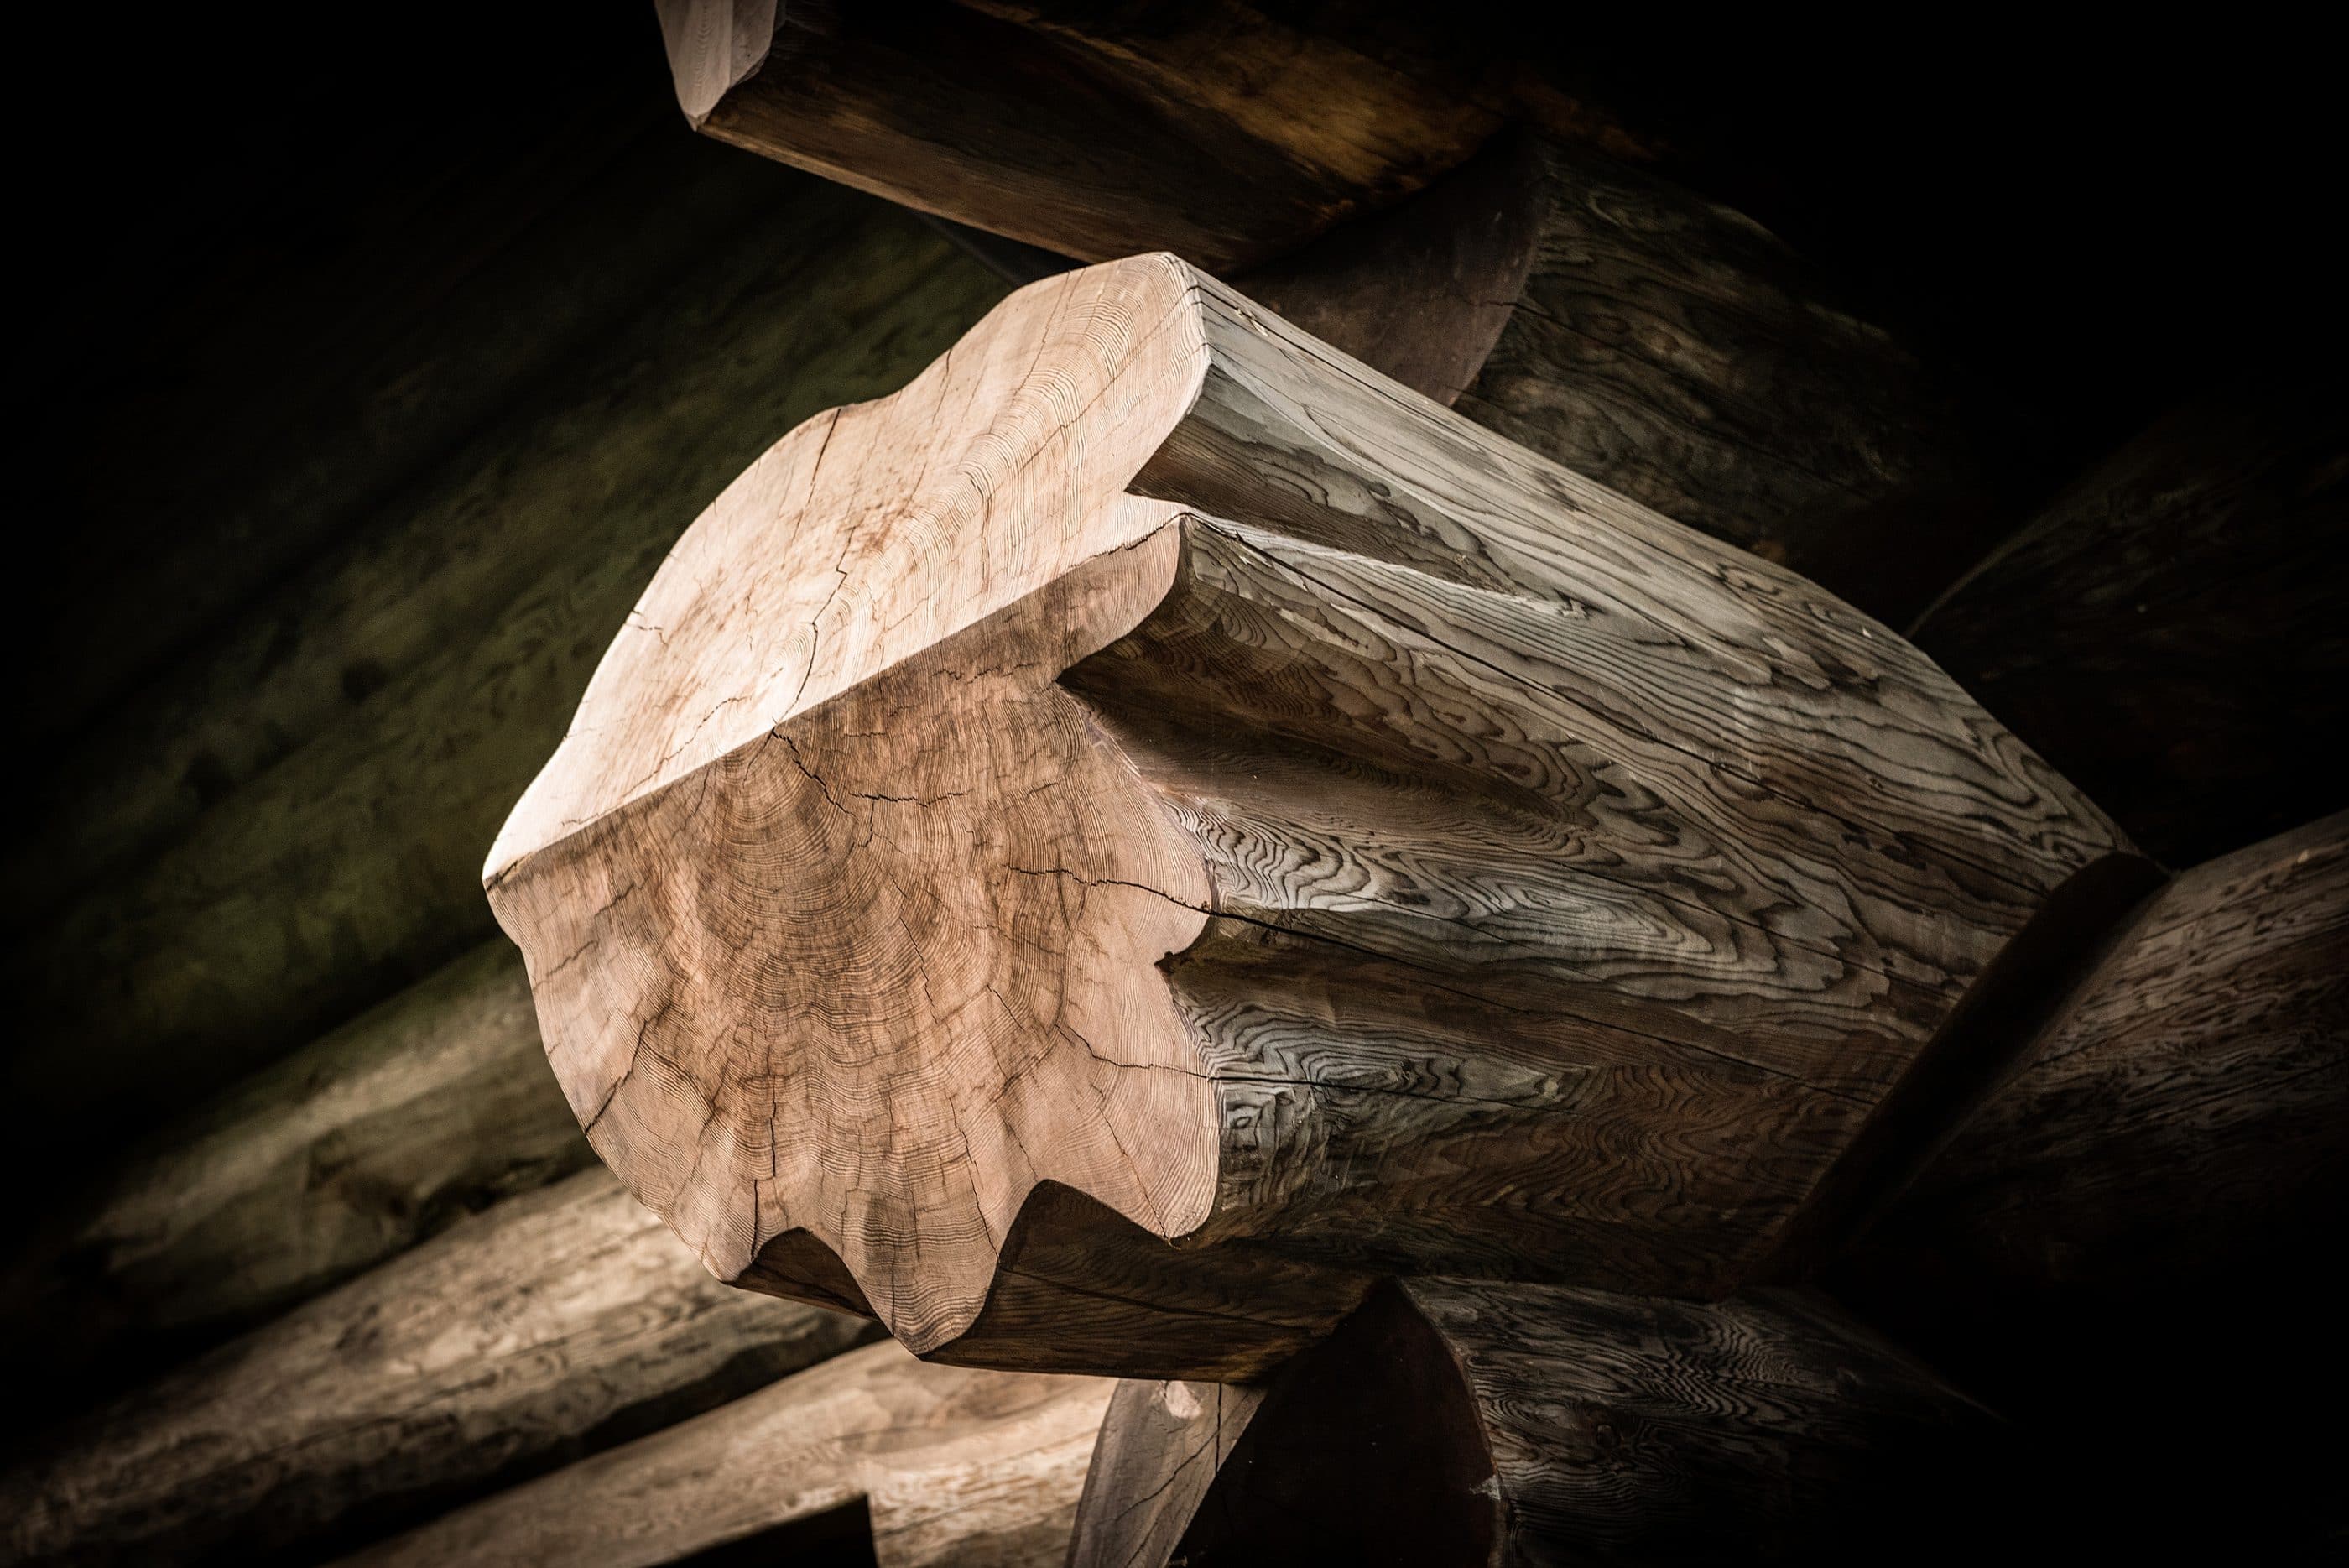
1156, 760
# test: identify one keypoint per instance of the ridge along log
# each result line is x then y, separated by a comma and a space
552, 1326
918, 1464
1460, 1421
1093, 856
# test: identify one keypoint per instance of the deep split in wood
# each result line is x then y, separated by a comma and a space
1096, 855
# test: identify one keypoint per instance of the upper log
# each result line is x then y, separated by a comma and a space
932, 1465
2168, 631
1666, 345
1220, 132
554, 1324
1456, 1422
1155, 763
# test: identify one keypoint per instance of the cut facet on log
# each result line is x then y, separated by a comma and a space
1220, 132
348, 1152
2190, 1104
554, 1325
1157, 764
953, 1467
1665, 345
2169, 631
1455, 1421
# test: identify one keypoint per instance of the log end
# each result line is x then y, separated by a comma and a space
714, 46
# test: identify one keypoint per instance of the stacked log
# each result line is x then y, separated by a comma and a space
554, 1325
921, 1464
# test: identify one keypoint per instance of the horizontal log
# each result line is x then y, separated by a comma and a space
2168, 631
2188, 1106
1664, 346
1224, 133
344, 1155
621, 420
976, 1469
554, 1324
1450, 1421
347, 870
1244, 806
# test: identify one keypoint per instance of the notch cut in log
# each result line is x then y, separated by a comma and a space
1156, 765
1456, 1421
1220, 132
953, 1468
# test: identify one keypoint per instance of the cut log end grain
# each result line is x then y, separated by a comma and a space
1092, 856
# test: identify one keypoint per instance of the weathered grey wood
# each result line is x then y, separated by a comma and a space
1156, 765
971, 1470
1664, 346
2168, 631
1224, 133
2190, 1103
1452, 1421
1161, 1446
345, 1154
554, 1325
346, 869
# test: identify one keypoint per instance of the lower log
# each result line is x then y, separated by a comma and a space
347, 1153
976, 1470
554, 1324
1452, 1421
1162, 1443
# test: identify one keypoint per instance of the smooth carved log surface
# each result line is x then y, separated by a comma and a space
1161, 1446
2168, 631
1665, 345
1453, 1421
2191, 1100
1220, 131
955, 1468
346, 1154
1155, 763
554, 1324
